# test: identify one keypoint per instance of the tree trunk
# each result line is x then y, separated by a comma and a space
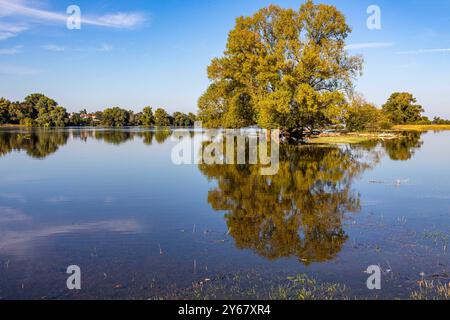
293, 136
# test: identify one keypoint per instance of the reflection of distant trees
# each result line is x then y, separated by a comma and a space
121, 136
162, 134
299, 211
115, 137
147, 137
398, 149
37, 143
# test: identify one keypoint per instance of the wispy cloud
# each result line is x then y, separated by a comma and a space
121, 19
10, 30
11, 51
112, 20
419, 51
53, 47
104, 47
368, 45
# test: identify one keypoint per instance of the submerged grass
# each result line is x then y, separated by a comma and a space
437, 237
430, 290
302, 287
254, 287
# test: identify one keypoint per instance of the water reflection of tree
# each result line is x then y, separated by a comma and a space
40, 143
403, 148
162, 134
298, 212
121, 136
37, 144
115, 137
147, 137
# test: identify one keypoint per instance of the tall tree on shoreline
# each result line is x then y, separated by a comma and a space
162, 118
4, 110
282, 69
115, 117
401, 108
147, 118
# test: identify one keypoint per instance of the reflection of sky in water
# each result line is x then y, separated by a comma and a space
126, 201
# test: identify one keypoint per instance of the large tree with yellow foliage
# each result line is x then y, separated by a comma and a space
282, 68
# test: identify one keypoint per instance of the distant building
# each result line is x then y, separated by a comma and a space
88, 116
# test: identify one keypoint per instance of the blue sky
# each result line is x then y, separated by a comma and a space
155, 52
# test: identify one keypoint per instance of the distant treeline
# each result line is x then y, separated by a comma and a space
355, 115
41, 111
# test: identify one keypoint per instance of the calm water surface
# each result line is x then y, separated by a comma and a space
112, 202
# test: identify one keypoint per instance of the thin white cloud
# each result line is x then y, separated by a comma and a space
11, 51
120, 19
104, 47
419, 51
10, 30
368, 45
113, 20
53, 47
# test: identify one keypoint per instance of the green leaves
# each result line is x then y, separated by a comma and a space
115, 117
281, 68
401, 108
147, 118
162, 118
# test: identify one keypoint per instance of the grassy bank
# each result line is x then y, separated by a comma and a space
351, 138
12, 125
422, 127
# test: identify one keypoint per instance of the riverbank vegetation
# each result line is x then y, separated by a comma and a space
422, 127
38, 110
350, 138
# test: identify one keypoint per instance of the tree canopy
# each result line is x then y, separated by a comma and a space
401, 108
162, 118
181, 119
363, 116
115, 117
36, 109
147, 118
41, 111
282, 68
